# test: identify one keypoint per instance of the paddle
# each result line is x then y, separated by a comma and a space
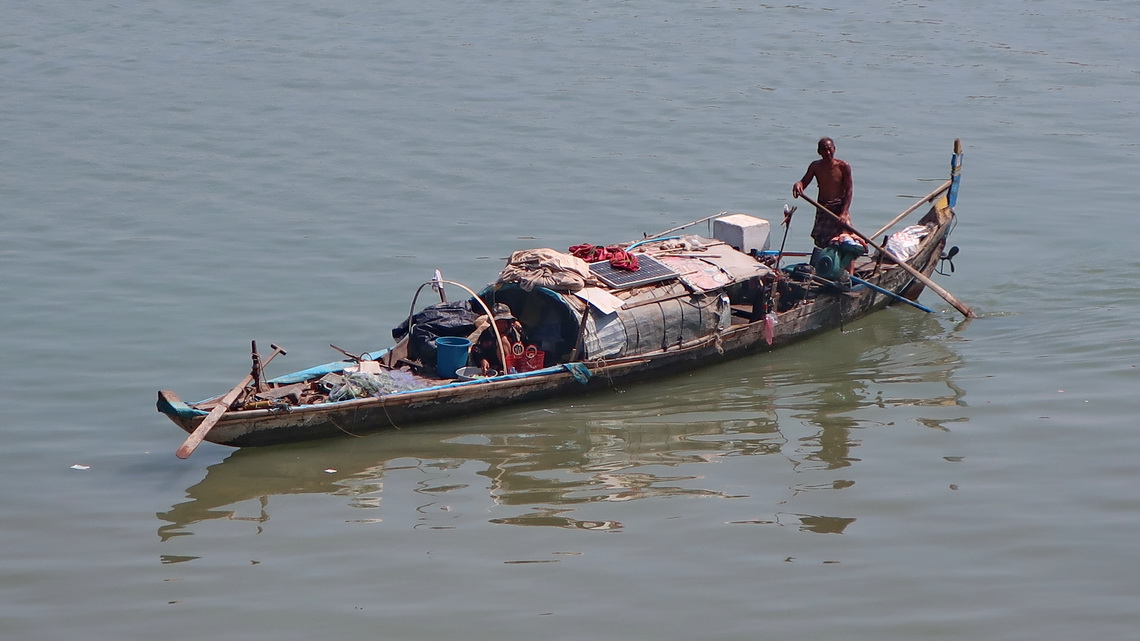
199, 434
883, 290
919, 276
925, 199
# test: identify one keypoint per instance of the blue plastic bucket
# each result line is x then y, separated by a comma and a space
450, 355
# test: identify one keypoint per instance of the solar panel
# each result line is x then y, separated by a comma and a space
649, 270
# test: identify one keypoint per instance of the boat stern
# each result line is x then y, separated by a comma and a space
177, 410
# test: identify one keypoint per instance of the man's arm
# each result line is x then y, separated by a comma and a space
799, 187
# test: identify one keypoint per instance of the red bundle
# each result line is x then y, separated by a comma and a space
621, 259
590, 253
618, 257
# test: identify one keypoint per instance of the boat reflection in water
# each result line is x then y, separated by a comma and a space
573, 465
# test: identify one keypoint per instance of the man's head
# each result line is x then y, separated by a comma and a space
502, 313
826, 147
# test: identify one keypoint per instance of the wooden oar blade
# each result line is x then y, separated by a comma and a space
199, 434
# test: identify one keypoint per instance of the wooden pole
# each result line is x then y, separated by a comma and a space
695, 222
581, 333
925, 199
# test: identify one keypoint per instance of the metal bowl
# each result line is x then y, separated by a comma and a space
472, 373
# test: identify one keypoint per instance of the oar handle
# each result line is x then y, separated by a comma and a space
199, 434
919, 276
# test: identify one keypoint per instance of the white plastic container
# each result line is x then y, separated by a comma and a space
746, 233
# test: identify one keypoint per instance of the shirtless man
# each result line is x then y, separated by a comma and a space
835, 190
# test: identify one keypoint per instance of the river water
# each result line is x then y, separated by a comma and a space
182, 177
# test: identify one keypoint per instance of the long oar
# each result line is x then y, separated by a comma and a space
919, 276
199, 434
881, 290
925, 199
901, 299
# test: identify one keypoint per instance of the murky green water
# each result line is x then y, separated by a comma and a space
179, 179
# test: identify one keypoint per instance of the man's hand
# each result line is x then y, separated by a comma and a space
797, 189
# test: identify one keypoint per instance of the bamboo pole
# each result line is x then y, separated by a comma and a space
695, 222
925, 199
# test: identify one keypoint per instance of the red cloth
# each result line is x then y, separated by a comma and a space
621, 259
589, 253
618, 257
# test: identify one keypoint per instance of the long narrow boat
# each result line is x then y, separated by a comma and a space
656, 307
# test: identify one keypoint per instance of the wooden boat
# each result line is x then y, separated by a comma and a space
691, 302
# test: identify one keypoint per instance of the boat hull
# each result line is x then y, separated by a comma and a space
829, 310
